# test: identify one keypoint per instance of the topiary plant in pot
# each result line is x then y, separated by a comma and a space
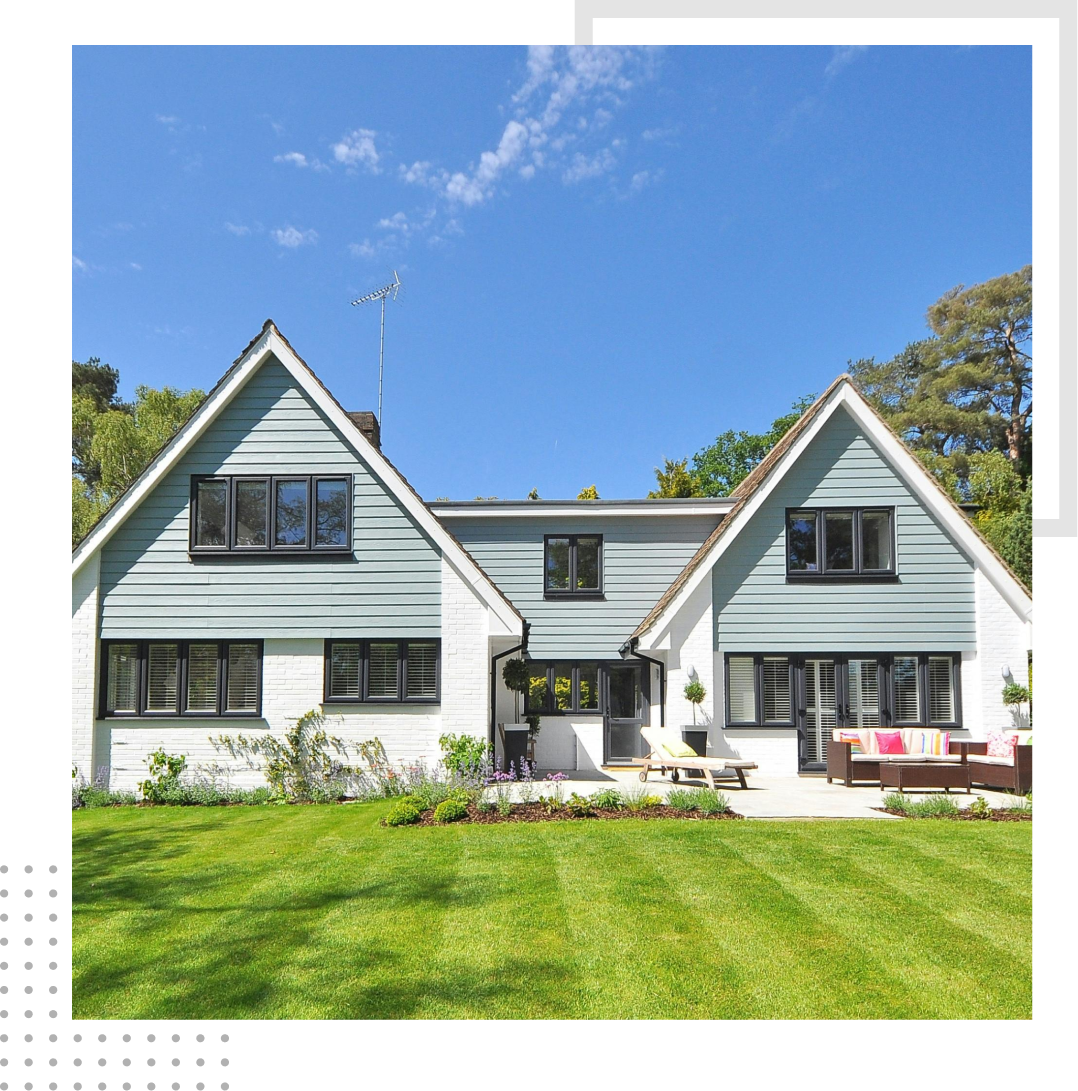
695, 694
515, 675
1014, 696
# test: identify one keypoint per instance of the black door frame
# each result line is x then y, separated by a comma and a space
842, 697
643, 671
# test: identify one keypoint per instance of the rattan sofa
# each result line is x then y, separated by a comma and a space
844, 765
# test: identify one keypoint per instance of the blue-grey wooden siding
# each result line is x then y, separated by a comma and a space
641, 557
930, 608
151, 588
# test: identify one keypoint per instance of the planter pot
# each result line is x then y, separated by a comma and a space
514, 746
696, 737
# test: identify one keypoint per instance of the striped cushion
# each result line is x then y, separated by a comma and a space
935, 743
853, 739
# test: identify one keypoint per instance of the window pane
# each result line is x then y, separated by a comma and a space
252, 512
423, 670
940, 690
907, 699
801, 542
202, 678
344, 670
122, 690
876, 541
587, 564
563, 686
242, 677
589, 686
210, 513
838, 540
331, 513
742, 694
557, 564
382, 671
864, 695
536, 696
161, 678
291, 529
776, 690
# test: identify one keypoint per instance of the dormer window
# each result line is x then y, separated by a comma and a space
840, 543
573, 566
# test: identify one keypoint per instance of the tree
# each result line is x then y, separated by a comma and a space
675, 481
968, 387
93, 391
722, 466
534, 495
589, 492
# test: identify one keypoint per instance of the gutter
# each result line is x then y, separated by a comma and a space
628, 651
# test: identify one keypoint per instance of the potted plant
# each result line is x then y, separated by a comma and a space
533, 721
515, 736
1014, 696
695, 736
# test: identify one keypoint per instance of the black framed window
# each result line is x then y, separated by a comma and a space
196, 678
895, 689
561, 686
283, 514
380, 671
840, 543
573, 565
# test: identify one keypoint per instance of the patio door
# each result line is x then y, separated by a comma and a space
625, 711
836, 691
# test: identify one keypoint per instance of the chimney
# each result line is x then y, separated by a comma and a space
367, 423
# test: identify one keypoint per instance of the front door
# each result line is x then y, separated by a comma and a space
837, 691
625, 711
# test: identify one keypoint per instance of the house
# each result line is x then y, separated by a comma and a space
271, 560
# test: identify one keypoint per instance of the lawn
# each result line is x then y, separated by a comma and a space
319, 913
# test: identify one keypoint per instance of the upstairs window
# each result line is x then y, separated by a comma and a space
573, 565
271, 515
840, 543
380, 671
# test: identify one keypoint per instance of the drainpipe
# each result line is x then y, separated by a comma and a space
629, 649
521, 647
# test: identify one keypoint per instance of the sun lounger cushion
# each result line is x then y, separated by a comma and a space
678, 749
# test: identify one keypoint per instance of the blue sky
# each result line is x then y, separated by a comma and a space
609, 256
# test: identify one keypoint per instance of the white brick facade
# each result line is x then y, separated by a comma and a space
84, 607
465, 658
1002, 641
692, 643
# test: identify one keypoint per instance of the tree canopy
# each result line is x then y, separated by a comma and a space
675, 481
589, 492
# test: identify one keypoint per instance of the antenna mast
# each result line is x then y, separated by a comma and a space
380, 295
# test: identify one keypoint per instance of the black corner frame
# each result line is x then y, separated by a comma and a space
858, 574
549, 666
364, 697
583, 594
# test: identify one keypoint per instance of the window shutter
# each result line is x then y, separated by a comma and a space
242, 678
122, 687
940, 690
161, 678
382, 680
907, 708
202, 678
742, 689
422, 670
776, 690
345, 665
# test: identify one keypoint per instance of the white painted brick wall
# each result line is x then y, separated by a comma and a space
465, 657
1001, 641
692, 643
84, 605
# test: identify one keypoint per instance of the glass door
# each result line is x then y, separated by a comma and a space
862, 693
625, 711
821, 711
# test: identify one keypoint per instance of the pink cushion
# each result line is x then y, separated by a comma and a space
1001, 744
890, 742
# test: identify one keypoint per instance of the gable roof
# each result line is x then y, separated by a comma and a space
270, 343
754, 489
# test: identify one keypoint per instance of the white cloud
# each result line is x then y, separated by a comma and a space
298, 158
362, 249
78, 263
135, 265
583, 166
841, 56
168, 119
291, 237
644, 178
660, 133
237, 229
356, 149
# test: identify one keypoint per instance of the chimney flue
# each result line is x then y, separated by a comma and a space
367, 423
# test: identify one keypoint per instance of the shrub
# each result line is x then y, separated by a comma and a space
607, 799
164, 779
579, 806
465, 756
450, 810
403, 813
97, 794
556, 800
681, 799
637, 798
932, 806
981, 808
709, 801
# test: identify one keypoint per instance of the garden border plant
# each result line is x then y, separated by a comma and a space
937, 805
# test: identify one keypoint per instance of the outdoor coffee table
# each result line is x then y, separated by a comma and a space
924, 774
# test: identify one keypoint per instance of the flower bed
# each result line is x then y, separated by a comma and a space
943, 806
537, 812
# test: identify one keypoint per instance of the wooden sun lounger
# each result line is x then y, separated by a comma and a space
708, 766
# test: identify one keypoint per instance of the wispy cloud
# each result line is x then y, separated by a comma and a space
644, 178
237, 229
168, 119
296, 158
79, 265
356, 150
364, 249
291, 237
134, 265
841, 56
583, 166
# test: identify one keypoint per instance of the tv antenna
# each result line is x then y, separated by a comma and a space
380, 294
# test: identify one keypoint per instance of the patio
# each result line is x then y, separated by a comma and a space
770, 797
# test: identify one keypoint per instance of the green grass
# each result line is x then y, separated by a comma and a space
317, 912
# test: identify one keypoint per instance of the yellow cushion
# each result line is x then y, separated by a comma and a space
679, 749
